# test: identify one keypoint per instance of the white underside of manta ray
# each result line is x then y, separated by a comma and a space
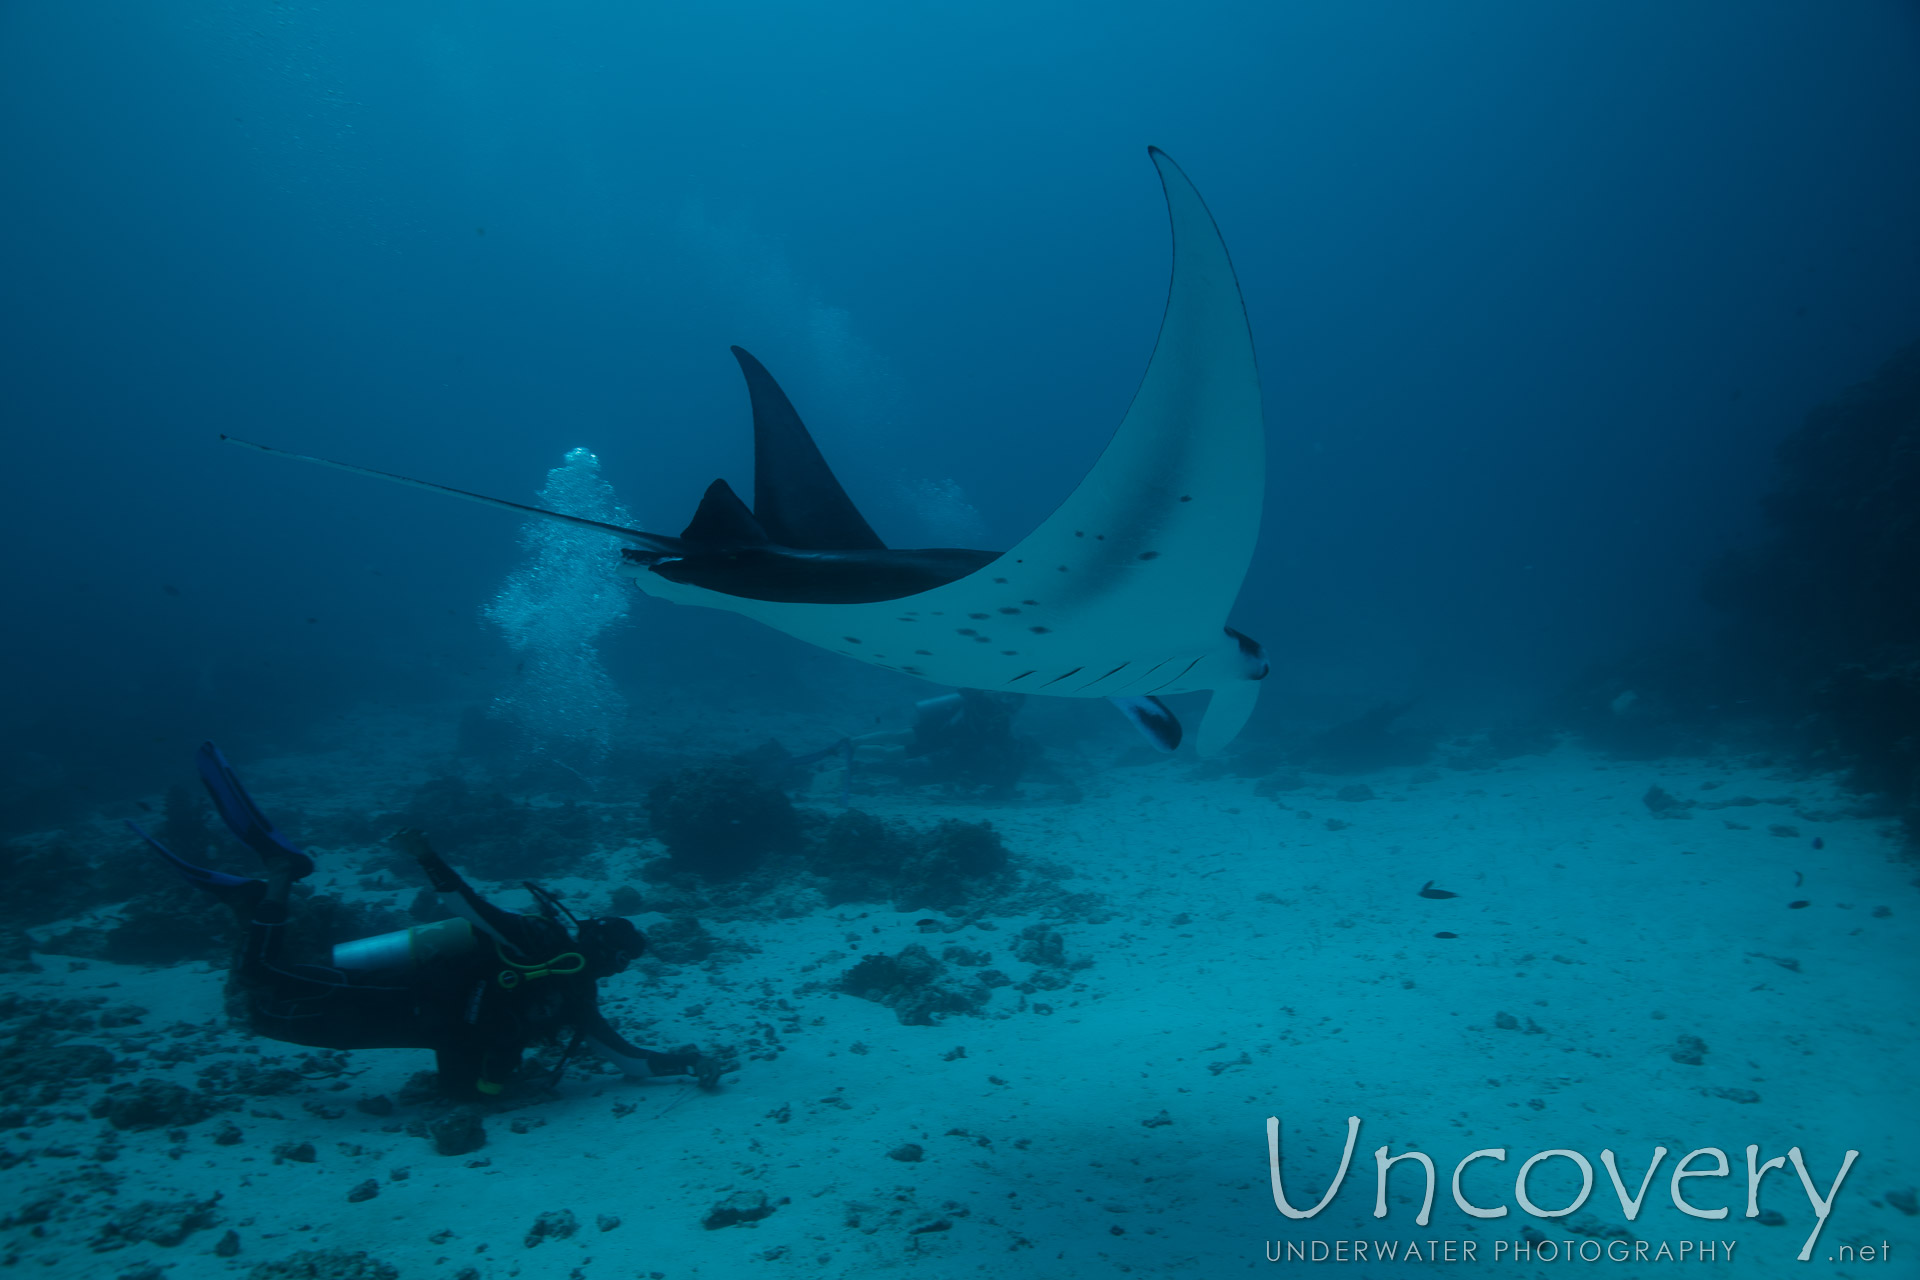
1122, 593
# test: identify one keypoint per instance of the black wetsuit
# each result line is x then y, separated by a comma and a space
963, 723
966, 737
523, 981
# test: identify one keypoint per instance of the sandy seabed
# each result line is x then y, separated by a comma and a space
1258, 955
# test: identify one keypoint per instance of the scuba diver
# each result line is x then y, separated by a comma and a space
477, 989
962, 737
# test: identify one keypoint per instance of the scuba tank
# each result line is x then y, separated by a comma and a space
405, 950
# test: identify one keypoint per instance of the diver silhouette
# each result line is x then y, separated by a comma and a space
477, 988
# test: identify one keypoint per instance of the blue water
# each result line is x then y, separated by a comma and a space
1536, 289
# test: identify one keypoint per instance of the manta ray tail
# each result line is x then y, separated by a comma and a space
651, 541
796, 498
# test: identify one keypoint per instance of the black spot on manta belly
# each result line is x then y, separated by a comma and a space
1007, 608
851, 639
1039, 631
1032, 603
925, 653
979, 617
1001, 581
1186, 497
1149, 555
965, 631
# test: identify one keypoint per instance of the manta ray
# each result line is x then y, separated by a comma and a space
1122, 593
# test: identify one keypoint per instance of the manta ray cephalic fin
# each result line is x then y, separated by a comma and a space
1150, 715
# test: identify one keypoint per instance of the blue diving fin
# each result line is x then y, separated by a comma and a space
242, 816
219, 884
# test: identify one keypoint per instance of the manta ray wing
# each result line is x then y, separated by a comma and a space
1124, 590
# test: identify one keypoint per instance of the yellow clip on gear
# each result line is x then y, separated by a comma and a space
560, 966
